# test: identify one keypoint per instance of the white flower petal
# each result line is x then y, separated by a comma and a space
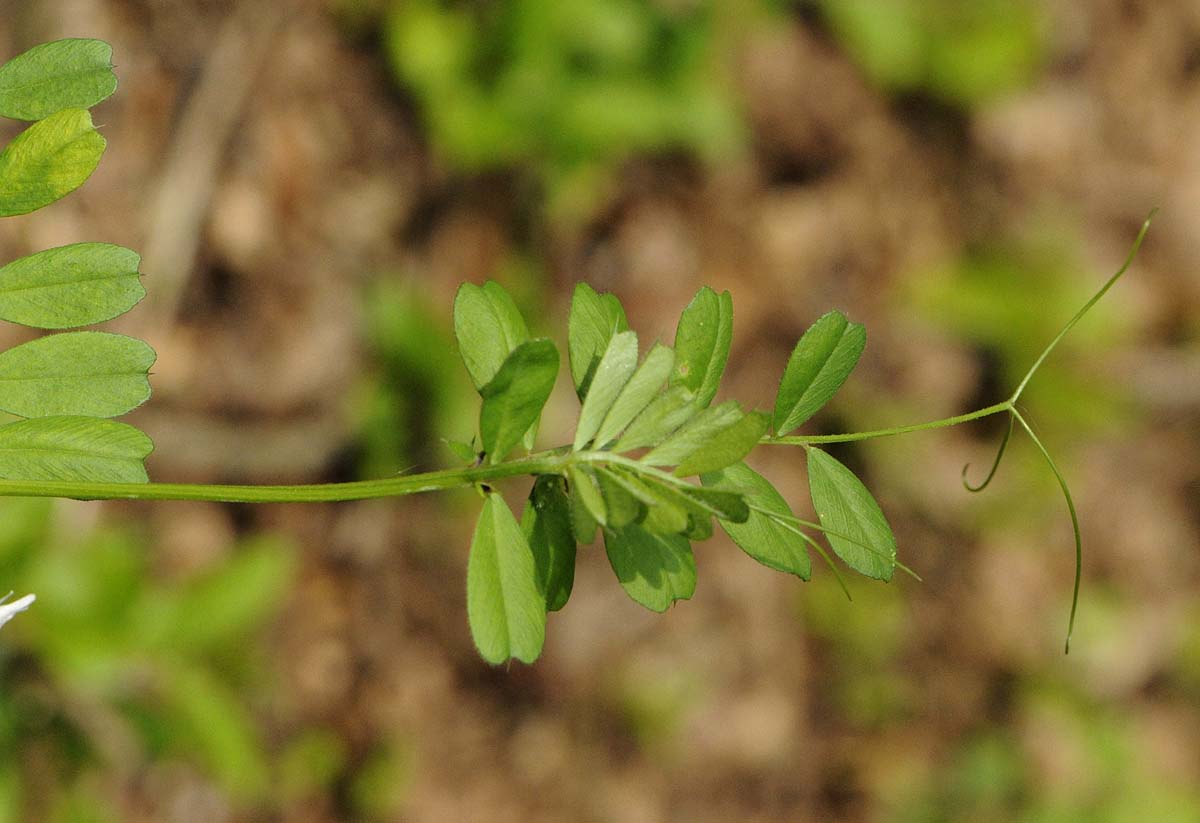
7, 610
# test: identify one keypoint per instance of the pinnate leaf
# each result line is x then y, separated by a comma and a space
654, 569
665, 414
594, 319
762, 538
48, 161
694, 434
819, 365
664, 515
71, 73
506, 611
488, 326
77, 373
637, 393
613, 372
546, 523
727, 446
702, 342
74, 449
70, 286
514, 398
844, 505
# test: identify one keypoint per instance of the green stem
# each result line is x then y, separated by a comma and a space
812, 440
315, 493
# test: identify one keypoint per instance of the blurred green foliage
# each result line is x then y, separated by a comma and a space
1008, 298
416, 396
121, 668
1075, 763
959, 52
567, 91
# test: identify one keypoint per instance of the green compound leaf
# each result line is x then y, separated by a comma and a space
613, 372
764, 539
513, 400
726, 447
76, 449
65, 74
637, 394
677, 507
488, 326
546, 523
48, 161
89, 373
594, 319
506, 611
664, 515
819, 365
70, 286
702, 342
844, 505
694, 434
654, 569
665, 414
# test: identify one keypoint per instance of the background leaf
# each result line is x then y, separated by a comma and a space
546, 523
228, 605
702, 342
654, 569
86, 449
70, 286
48, 161
514, 399
613, 372
506, 611
819, 365
71, 73
844, 505
594, 319
764, 539
90, 373
488, 326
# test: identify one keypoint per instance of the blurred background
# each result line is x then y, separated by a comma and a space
309, 181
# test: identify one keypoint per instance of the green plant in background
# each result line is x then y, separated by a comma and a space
959, 52
163, 667
646, 423
566, 90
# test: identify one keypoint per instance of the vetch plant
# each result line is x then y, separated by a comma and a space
653, 465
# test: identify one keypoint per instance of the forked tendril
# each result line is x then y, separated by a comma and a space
1016, 417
